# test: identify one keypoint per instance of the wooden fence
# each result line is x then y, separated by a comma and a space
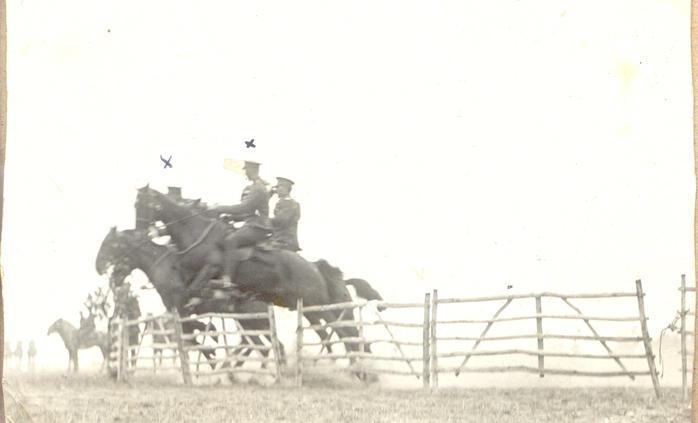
412, 353
540, 336
686, 354
431, 326
418, 354
163, 340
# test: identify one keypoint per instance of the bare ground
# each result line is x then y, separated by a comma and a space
89, 397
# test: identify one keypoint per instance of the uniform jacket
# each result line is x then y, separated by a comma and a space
287, 213
253, 207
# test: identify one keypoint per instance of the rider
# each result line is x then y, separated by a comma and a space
254, 211
175, 193
287, 213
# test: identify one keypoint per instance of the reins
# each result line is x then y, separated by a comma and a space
198, 241
195, 243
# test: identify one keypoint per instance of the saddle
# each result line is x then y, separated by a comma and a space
262, 252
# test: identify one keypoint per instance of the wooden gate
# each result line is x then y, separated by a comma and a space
639, 319
161, 339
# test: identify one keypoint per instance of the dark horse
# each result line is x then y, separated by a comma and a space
133, 249
278, 276
126, 258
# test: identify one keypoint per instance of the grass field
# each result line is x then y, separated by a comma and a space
89, 397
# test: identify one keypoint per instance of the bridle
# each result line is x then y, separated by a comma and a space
154, 206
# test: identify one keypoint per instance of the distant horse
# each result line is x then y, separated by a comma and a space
279, 276
135, 250
73, 342
31, 356
19, 353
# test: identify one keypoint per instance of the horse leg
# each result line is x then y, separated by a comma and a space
210, 355
321, 333
203, 276
347, 332
282, 350
75, 360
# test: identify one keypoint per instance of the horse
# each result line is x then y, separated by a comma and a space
73, 342
279, 276
362, 288
31, 356
135, 250
130, 260
19, 353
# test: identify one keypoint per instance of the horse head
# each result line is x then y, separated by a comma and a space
148, 205
106, 251
55, 327
120, 271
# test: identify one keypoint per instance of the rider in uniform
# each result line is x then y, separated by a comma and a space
287, 213
175, 193
254, 211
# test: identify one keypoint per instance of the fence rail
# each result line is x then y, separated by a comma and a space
417, 356
350, 315
541, 336
164, 337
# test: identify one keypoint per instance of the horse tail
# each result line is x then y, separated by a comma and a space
365, 290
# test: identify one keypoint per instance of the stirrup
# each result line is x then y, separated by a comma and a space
224, 283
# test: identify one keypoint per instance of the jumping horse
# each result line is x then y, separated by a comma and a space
129, 304
278, 276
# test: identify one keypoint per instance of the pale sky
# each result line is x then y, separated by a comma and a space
458, 145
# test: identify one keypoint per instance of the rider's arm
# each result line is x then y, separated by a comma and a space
248, 206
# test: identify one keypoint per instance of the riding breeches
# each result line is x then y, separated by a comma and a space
246, 236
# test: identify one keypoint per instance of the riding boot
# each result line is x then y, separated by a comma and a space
230, 269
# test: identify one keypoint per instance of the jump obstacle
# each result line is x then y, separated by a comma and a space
398, 339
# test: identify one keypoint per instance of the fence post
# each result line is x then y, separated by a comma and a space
183, 355
425, 343
123, 353
274, 342
645, 336
432, 341
299, 343
539, 332
362, 344
119, 337
683, 338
